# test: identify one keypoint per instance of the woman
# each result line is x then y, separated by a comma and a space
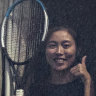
66, 74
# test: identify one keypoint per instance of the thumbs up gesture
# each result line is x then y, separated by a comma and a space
80, 70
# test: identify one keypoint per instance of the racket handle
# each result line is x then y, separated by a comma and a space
19, 92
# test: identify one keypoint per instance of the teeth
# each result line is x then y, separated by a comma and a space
59, 60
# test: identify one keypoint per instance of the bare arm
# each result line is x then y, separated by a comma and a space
88, 87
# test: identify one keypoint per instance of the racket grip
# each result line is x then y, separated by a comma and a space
19, 92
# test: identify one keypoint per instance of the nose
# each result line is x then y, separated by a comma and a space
60, 50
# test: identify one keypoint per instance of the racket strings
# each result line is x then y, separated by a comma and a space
34, 25
21, 41
25, 30
12, 32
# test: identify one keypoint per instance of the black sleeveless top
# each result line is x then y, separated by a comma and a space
74, 88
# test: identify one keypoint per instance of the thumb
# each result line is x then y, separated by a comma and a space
84, 60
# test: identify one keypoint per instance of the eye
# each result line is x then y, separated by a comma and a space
66, 46
52, 46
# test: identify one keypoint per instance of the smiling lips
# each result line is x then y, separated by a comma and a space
60, 60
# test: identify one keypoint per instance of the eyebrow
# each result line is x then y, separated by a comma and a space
51, 42
66, 41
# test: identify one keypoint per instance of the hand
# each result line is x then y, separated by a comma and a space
80, 70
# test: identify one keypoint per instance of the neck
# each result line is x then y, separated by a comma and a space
61, 77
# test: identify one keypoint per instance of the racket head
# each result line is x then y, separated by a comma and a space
24, 27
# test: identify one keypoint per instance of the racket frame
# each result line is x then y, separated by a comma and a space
46, 23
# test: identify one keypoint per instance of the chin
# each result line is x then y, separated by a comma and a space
61, 68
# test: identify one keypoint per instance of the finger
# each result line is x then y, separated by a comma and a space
74, 71
83, 60
76, 67
77, 74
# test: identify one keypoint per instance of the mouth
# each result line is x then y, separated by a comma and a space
60, 60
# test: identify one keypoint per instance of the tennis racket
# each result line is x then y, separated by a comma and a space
24, 27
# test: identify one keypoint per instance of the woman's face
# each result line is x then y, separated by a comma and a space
60, 50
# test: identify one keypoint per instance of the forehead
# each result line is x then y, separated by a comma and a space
61, 35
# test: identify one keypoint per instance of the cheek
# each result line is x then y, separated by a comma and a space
49, 54
71, 54
73, 50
